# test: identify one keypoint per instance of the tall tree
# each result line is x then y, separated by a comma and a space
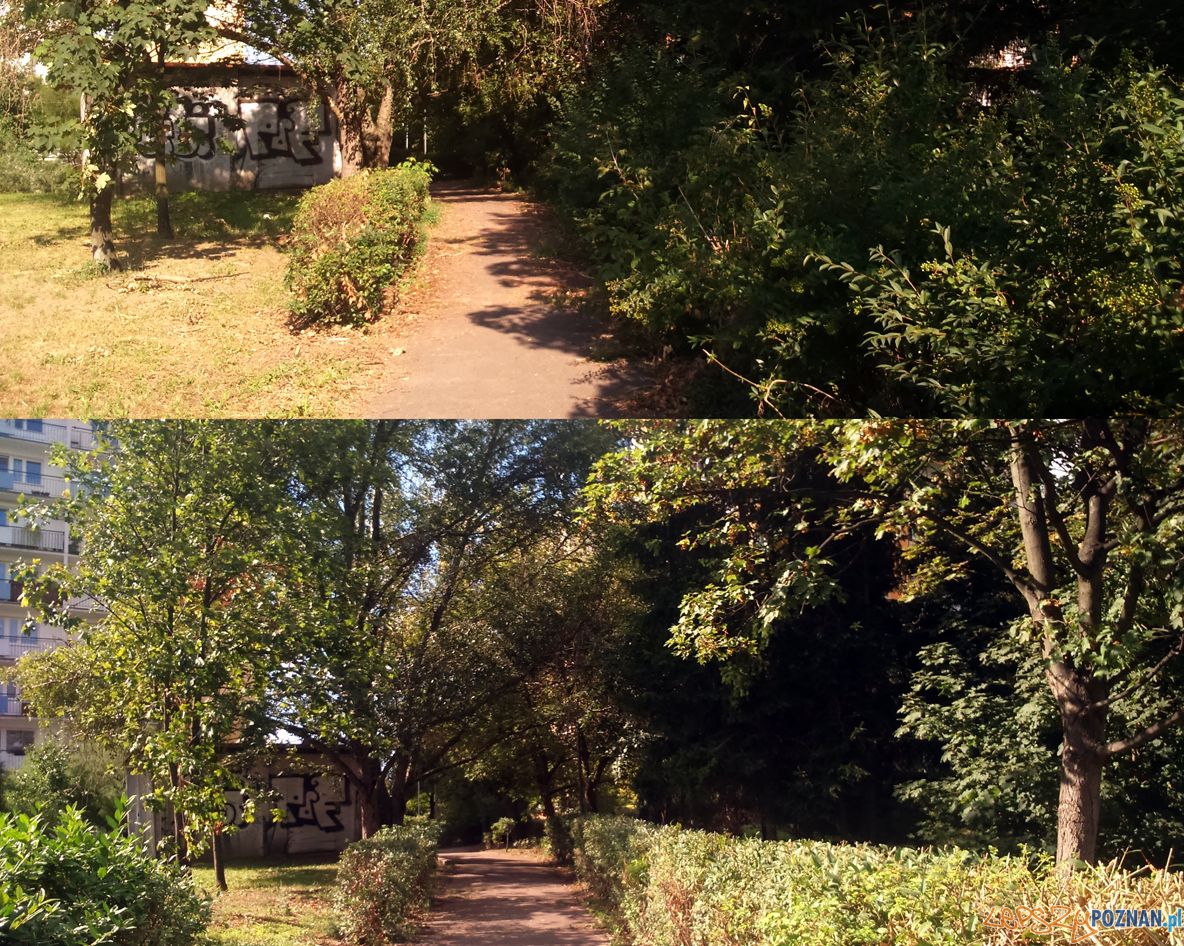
110, 52
182, 560
394, 668
1083, 520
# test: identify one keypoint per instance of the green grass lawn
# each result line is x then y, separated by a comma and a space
196, 326
272, 903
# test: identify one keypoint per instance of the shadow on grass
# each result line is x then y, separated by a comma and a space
50, 237
309, 871
223, 221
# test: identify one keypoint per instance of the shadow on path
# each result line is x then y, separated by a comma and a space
497, 329
498, 898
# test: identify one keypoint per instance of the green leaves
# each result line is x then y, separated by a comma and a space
106, 52
185, 540
68, 883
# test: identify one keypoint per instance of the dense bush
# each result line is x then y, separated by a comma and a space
58, 773
382, 882
671, 887
26, 171
69, 883
352, 239
1024, 254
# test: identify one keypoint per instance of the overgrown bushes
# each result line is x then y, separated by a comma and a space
671, 887
352, 239
891, 243
382, 882
70, 883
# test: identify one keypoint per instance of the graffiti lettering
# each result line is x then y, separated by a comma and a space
265, 129
274, 128
312, 801
192, 129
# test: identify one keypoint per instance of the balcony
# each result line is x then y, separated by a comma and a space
82, 438
37, 540
38, 431
14, 648
38, 484
11, 706
11, 761
86, 605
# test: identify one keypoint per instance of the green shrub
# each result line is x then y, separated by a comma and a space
59, 772
382, 882
26, 171
502, 831
891, 243
71, 884
352, 239
557, 840
671, 887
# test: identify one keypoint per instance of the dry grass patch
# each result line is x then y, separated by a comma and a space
196, 326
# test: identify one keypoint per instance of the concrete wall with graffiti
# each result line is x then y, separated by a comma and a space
320, 812
245, 130
320, 816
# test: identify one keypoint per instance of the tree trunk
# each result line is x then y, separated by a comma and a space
164, 222
545, 782
587, 783
1082, 762
351, 138
179, 836
384, 130
102, 247
375, 804
399, 790
218, 853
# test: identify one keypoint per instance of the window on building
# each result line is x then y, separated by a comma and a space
20, 740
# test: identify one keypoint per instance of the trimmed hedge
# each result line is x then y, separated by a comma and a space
382, 882
73, 884
671, 887
351, 241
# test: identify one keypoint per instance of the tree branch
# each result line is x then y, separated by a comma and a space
1145, 735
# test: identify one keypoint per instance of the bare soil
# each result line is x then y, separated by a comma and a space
508, 898
497, 328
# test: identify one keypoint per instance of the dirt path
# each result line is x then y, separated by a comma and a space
499, 898
489, 334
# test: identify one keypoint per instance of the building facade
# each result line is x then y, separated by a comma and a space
26, 470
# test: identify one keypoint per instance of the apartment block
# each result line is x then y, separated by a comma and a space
26, 469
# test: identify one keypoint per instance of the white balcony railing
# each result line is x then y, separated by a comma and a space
39, 540
37, 484
14, 648
89, 605
43, 431
11, 760
12, 706
39, 431
82, 438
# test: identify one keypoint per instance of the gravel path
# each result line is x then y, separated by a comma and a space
490, 335
499, 898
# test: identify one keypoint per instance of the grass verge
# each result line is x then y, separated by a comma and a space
196, 326
273, 903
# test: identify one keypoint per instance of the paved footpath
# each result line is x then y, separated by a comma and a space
492, 336
500, 898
